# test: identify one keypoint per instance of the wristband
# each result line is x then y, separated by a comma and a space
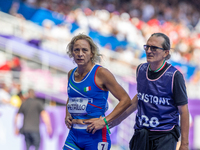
105, 121
107, 125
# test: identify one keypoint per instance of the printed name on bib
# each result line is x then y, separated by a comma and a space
77, 106
153, 99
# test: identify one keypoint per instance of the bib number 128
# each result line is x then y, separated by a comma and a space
145, 121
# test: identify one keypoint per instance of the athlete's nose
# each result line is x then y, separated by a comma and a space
148, 49
80, 53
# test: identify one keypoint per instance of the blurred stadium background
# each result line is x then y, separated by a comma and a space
33, 39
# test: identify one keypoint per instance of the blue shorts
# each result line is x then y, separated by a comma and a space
79, 139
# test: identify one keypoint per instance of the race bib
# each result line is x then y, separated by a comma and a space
103, 146
148, 122
77, 106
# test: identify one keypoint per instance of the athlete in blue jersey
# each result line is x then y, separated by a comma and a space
88, 87
161, 98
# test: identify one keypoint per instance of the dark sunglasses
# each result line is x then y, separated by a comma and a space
152, 48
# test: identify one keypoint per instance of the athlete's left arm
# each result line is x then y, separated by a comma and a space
184, 120
106, 81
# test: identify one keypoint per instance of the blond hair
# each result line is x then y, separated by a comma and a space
94, 49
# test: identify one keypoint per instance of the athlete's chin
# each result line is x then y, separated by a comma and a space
80, 62
149, 60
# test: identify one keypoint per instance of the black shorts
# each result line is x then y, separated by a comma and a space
32, 138
155, 140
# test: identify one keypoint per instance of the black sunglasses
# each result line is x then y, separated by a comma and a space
152, 48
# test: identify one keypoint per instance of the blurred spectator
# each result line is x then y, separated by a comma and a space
4, 94
14, 8
16, 69
6, 66
129, 22
13, 65
16, 100
15, 88
32, 109
57, 35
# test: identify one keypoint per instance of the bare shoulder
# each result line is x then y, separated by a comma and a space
103, 73
107, 81
104, 76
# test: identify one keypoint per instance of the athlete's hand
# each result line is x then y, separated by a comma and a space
95, 124
68, 121
78, 121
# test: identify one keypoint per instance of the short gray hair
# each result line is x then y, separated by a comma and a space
166, 44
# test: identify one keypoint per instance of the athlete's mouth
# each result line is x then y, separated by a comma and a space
80, 59
149, 56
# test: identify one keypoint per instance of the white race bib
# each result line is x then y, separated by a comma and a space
77, 105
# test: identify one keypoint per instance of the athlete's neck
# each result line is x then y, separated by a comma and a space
157, 69
83, 70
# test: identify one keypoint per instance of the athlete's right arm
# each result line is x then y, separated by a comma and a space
68, 117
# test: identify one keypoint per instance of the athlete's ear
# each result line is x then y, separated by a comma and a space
92, 56
166, 53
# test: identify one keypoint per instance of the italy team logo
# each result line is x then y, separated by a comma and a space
88, 88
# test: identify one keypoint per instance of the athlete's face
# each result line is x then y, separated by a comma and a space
155, 56
82, 53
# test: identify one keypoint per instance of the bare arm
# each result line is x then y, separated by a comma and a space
124, 115
15, 124
184, 118
107, 81
47, 122
68, 117
5, 101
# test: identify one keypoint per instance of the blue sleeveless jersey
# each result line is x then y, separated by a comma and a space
156, 107
86, 99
